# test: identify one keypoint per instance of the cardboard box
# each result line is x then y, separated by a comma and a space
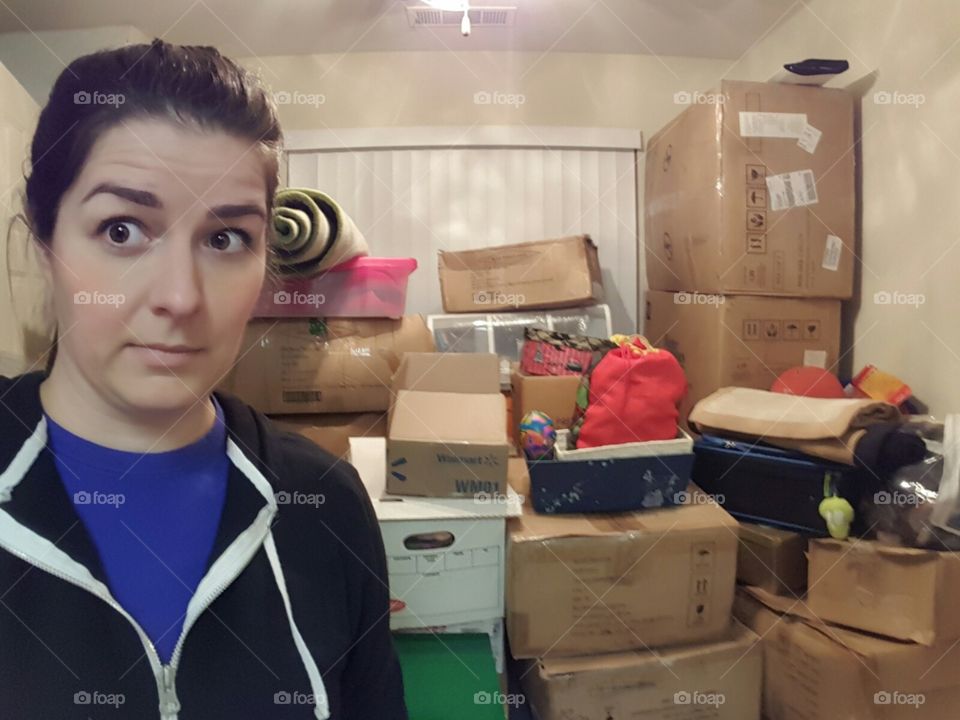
720, 680
556, 395
725, 187
741, 340
772, 559
309, 365
815, 671
445, 557
903, 593
332, 432
447, 435
563, 272
580, 584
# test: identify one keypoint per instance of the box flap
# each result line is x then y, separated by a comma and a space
448, 372
449, 417
892, 663
369, 456
892, 552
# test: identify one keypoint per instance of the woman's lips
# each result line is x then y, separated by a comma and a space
158, 357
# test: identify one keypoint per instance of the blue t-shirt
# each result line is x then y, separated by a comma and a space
153, 518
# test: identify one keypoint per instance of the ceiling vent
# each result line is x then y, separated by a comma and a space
499, 16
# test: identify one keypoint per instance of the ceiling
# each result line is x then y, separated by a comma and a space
695, 28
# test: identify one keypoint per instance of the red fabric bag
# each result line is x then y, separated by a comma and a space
633, 396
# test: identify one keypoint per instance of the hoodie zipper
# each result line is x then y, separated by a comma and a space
163, 679
164, 674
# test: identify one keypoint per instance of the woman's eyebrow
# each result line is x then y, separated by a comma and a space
140, 197
148, 199
232, 211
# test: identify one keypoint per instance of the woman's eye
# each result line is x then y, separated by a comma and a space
229, 240
123, 233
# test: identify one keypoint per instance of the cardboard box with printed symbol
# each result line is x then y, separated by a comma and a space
741, 340
743, 195
309, 365
580, 584
556, 273
816, 671
903, 593
446, 432
719, 680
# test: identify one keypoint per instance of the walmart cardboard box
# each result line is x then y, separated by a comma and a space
741, 340
446, 433
815, 671
310, 365
903, 593
720, 681
664, 577
751, 190
562, 272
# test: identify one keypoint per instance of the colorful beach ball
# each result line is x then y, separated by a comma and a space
537, 435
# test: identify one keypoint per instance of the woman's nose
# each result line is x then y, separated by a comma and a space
177, 282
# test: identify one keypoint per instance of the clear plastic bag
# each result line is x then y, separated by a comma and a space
919, 504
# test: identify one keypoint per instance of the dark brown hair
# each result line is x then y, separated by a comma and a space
191, 85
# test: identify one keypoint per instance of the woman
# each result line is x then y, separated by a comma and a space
166, 551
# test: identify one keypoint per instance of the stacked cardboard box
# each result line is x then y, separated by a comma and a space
541, 275
326, 379
630, 614
875, 639
749, 233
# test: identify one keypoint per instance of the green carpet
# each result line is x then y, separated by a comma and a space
449, 676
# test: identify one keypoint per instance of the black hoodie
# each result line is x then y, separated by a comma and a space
291, 619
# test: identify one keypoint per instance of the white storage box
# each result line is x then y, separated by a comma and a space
445, 557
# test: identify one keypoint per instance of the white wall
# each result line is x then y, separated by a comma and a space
430, 88
417, 89
36, 59
910, 165
24, 327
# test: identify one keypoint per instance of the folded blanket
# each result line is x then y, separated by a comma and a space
826, 428
312, 233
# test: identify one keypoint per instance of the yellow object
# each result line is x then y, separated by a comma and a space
629, 341
838, 513
880, 385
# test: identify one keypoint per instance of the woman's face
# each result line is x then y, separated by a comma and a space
160, 242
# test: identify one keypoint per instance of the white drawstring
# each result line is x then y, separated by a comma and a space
322, 708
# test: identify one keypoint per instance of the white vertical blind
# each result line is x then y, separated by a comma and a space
415, 201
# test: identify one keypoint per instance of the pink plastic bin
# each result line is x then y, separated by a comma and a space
361, 287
